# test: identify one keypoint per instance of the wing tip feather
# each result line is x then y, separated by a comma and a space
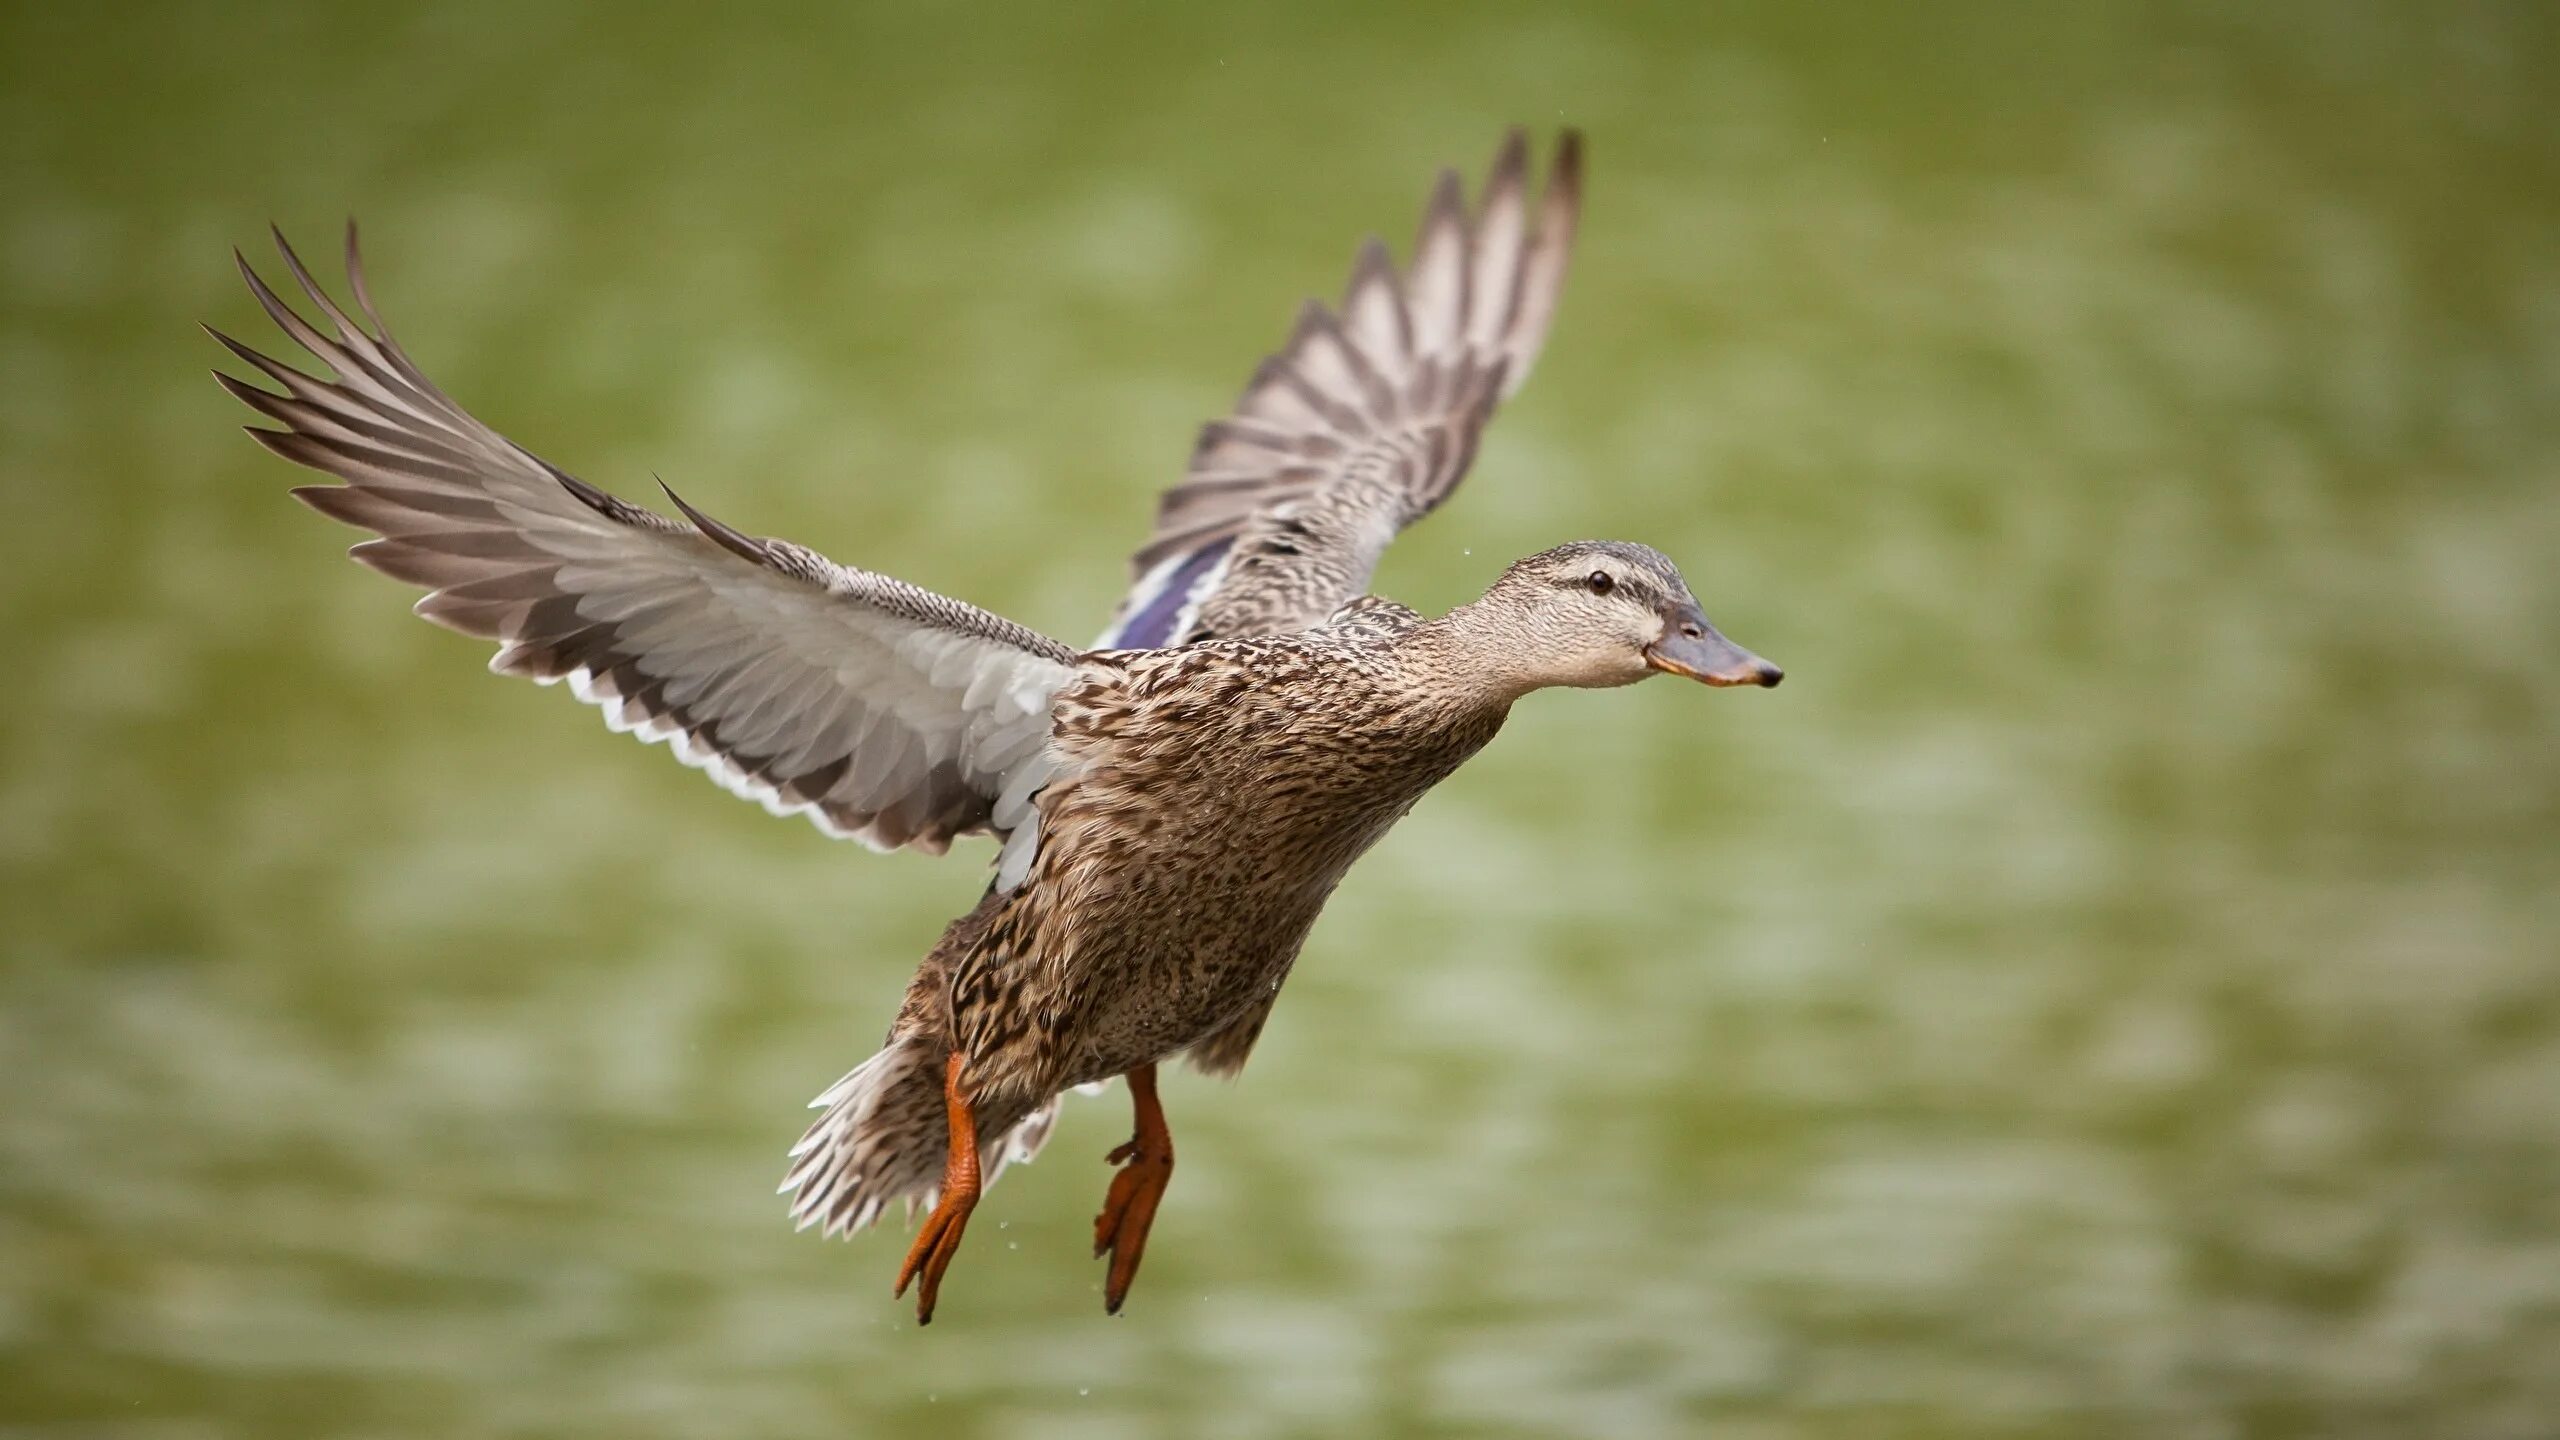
355, 280
1448, 199
1567, 165
1510, 164
284, 444
728, 538
584, 493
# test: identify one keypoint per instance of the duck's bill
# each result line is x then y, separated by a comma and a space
1691, 647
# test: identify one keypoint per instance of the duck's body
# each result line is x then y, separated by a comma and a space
1174, 807
1218, 794
1210, 799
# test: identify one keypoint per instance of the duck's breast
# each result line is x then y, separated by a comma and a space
1208, 823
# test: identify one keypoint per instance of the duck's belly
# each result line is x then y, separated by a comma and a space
1178, 941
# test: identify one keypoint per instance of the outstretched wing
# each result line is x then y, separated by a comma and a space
1363, 422
881, 711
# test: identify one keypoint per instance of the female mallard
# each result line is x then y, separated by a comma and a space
1173, 807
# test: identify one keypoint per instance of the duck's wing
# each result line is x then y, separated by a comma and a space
881, 711
1364, 420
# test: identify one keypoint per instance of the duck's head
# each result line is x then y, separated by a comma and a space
1598, 613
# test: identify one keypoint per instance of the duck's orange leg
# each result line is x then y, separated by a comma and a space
1120, 1231
939, 1240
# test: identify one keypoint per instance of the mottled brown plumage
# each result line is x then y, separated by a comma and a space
1174, 808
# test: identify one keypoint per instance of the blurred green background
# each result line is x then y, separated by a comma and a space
2114, 988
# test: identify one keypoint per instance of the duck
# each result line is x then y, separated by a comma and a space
1170, 807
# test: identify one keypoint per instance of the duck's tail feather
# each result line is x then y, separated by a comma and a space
884, 1136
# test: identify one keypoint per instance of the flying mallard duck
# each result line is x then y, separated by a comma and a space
1173, 806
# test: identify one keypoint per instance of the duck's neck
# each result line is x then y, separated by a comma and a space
1469, 657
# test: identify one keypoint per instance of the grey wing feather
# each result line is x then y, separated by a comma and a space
882, 711
1364, 421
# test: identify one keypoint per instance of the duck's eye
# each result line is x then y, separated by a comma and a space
1601, 583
